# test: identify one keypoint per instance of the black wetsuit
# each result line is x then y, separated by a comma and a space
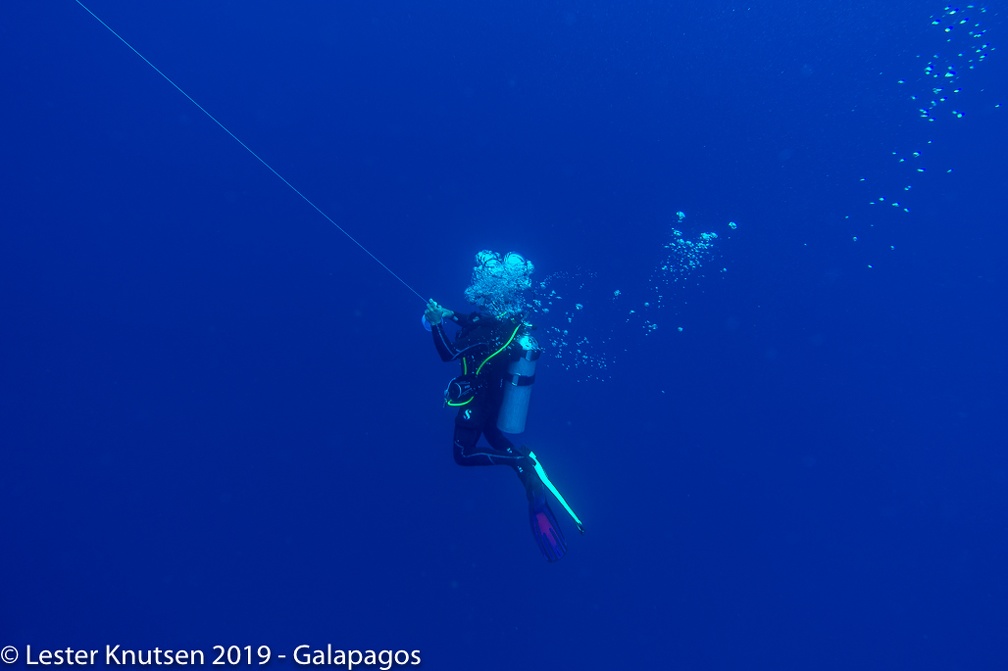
478, 338
486, 346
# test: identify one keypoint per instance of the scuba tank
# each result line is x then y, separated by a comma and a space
518, 387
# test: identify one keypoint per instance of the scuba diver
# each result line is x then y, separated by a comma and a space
497, 355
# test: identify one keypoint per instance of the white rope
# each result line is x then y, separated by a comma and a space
249, 150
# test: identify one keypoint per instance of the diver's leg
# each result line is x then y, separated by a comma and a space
545, 528
467, 453
522, 466
502, 452
480, 417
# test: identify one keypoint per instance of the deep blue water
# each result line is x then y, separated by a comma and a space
221, 422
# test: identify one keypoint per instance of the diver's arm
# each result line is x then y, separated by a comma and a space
445, 347
435, 316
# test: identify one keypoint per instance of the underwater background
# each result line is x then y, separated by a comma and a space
222, 423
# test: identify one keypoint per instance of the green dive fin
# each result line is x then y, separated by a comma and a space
559, 497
